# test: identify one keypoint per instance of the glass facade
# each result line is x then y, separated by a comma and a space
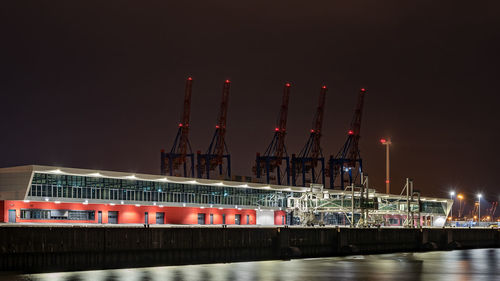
86, 187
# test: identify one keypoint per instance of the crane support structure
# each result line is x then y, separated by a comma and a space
346, 166
180, 160
270, 164
305, 168
217, 151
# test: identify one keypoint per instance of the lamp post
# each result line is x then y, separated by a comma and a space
452, 194
387, 142
479, 209
460, 197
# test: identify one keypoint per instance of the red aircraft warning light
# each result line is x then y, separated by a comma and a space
180, 124
227, 81
350, 132
363, 90
190, 78
276, 129
383, 140
287, 84
324, 87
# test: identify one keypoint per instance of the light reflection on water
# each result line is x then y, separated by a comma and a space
478, 264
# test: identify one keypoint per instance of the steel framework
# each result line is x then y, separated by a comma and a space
270, 163
348, 162
180, 160
306, 164
217, 150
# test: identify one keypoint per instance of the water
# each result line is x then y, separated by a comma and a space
477, 264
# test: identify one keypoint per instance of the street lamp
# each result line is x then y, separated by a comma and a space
460, 197
479, 209
452, 194
387, 142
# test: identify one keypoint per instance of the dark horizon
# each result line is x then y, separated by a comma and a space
100, 85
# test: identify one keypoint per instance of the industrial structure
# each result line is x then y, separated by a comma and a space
347, 165
217, 158
309, 166
270, 163
180, 160
45, 194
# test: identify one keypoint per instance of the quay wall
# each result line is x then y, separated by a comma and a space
64, 248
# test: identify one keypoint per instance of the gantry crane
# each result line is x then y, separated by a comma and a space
180, 160
217, 151
348, 162
305, 166
270, 163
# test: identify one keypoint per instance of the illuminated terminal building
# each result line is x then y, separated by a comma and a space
45, 194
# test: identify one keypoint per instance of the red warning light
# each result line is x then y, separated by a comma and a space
350, 132
387, 181
324, 87
312, 130
383, 140
363, 90
189, 78
217, 126
180, 124
276, 129
227, 81
287, 84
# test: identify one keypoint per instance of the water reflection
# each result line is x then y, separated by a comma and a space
478, 264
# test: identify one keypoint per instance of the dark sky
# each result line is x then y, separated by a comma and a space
99, 84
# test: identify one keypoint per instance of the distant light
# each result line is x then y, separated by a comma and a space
112, 204
189, 78
202, 207
180, 124
363, 90
46, 199
220, 208
154, 203
211, 206
479, 195
121, 202
239, 209
183, 204
217, 126
460, 196
26, 201
452, 193
227, 81
161, 206
137, 205
350, 132
85, 202
287, 84
57, 202
387, 181
324, 87
276, 129
312, 130
383, 140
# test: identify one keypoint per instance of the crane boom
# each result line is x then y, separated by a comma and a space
184, 125
281, 128
221, 125
353, 152
318, 124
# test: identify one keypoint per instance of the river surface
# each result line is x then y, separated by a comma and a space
477, 264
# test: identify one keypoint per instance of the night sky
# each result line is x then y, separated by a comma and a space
100, 84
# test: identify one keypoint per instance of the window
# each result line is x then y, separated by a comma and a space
237, 219
36, 214
223, 218
211, 218
248, 219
